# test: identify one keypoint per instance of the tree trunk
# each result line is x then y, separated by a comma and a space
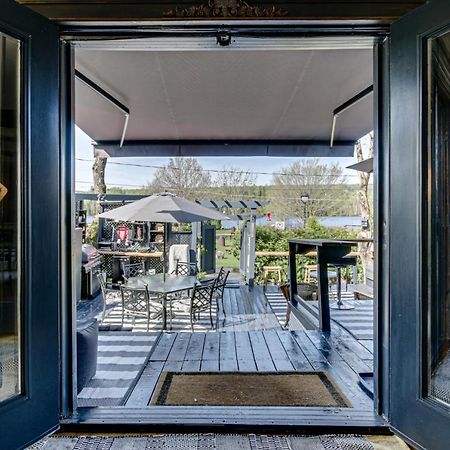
98, 172
365, 249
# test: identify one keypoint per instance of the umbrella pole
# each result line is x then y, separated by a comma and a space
164, 251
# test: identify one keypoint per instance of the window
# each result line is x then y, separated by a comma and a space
438, 337
10, 206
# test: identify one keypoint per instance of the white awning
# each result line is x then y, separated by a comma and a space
219, 95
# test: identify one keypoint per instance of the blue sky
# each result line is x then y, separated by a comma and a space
127, 176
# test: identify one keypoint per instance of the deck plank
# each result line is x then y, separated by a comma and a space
368, 344
164, 346
194, 350
279, 356
191, 365
143, 391
227, 321
210, 360
209, 365
227, 353
240, 303
245, 358
173, 366
347, 353
294, 352
211, 347
263, 358
179, 347
314, 356
343, 374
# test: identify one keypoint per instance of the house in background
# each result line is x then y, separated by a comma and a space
412, 233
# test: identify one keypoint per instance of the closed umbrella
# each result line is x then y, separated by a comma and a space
164, 208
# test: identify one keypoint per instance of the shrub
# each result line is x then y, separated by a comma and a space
271, 239
92, 233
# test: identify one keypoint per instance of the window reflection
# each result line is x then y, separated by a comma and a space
439, 219
10, 100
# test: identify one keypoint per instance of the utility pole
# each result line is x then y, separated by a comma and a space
305, 199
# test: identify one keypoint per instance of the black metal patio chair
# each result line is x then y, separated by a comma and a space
139, 302
201, 300
132, 270
186, 268
110, 296
219, 287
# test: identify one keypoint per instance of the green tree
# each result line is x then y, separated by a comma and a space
184, 177
324, 184
234, 184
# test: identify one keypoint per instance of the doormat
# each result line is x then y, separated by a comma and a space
248, 389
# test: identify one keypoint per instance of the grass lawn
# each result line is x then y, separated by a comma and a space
229, 260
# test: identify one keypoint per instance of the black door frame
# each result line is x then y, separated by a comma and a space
427, 421
39, 214
263, 28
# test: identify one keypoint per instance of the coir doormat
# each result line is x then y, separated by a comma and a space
248, 389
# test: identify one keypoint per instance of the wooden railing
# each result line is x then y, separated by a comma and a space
276, 254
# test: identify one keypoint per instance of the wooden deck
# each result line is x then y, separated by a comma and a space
259, 351
244, 311
249, 338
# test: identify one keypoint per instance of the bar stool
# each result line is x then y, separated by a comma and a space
310, 275
339, 304
275, 270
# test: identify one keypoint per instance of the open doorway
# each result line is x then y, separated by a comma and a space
275, 104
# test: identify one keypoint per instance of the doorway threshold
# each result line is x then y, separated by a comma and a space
160, 418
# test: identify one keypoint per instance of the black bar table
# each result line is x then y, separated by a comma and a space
329, 251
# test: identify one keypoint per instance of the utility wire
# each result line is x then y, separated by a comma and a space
237, 196
268, 188
213, 170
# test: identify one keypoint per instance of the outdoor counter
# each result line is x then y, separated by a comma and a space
139, 254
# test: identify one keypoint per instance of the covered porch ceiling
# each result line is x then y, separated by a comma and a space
255, 98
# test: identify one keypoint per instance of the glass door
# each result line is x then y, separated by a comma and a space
420, 226
29, 226
438, 306
10, 255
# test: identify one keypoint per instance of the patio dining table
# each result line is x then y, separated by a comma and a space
163, 284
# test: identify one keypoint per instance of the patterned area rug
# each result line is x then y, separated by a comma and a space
121, 358
220, 442
357, 321
440, 382
278, 304
9, 366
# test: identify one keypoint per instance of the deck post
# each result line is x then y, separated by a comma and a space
324, 302
292, 272
251, 248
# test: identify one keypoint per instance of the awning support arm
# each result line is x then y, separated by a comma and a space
348, 104
107, 96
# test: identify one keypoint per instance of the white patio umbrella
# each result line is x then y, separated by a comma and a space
164, 208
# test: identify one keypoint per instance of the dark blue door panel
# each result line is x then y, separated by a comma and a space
31, 409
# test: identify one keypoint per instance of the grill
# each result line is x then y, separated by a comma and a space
91, 261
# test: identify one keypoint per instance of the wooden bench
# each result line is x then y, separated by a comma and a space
365, 290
